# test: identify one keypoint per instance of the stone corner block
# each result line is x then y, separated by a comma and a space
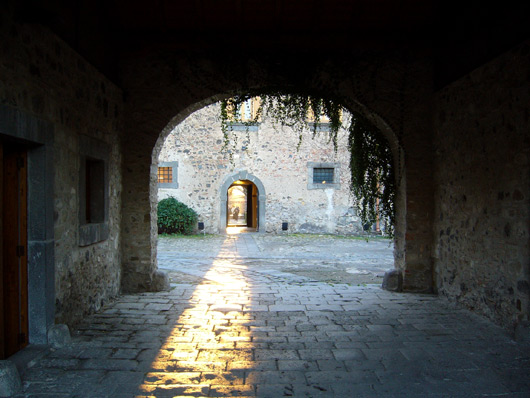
59, 336
160, 282
417, 278
522, 332
393, 280
134, 282
10, 382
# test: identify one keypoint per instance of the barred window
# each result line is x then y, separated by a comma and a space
165, 174
323, 175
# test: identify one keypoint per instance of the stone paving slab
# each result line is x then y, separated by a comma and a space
310, 339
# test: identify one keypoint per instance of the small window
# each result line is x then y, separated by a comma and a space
323, 175
165, 175
94, 191
243, 118
246, 111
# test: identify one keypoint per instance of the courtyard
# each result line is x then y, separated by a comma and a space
297, 258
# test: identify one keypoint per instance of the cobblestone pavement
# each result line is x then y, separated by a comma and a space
245, 332
324, 258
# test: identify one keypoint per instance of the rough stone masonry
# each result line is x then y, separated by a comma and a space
270, 153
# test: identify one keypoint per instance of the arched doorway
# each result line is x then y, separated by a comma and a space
242, 203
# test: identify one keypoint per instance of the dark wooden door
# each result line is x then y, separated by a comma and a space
255, 204
250, 210
14, 249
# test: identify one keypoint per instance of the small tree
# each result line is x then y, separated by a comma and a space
175, 217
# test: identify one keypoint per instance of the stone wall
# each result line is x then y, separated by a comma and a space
482, 146
270, 154
41, 76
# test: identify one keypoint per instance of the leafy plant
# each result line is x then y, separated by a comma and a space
175, 217
371, 163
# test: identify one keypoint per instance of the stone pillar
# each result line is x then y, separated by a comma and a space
417, 274
139, 271
417, 142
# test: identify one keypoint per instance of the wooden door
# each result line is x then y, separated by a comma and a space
14, 250
255, 207
250, 210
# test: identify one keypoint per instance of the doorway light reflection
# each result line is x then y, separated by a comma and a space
238, 230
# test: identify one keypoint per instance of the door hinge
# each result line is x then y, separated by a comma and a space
21, 338
20, 251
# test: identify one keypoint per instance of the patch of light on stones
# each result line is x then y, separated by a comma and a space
209, 336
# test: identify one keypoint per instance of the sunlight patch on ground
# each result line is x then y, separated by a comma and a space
211, 341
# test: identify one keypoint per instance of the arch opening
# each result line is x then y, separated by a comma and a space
259, 218
242, 203
351, 105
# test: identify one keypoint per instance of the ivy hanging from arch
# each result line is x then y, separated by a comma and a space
371, 165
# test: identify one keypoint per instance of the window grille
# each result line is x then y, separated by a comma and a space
323, 175
165, 174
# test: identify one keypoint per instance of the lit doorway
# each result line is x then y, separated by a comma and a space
242, 207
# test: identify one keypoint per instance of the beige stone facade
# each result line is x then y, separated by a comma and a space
268, 154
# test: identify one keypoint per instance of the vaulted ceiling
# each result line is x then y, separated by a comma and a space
460, 37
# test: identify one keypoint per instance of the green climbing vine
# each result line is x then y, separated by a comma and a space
371, 164
372, 173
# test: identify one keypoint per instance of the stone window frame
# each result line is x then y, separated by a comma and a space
328, 165
320, 127
240, 126
223, 197
95, 151
174, 174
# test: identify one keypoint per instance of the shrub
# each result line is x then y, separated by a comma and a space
175, 217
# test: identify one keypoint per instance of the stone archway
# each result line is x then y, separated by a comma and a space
242, 175
190, 84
